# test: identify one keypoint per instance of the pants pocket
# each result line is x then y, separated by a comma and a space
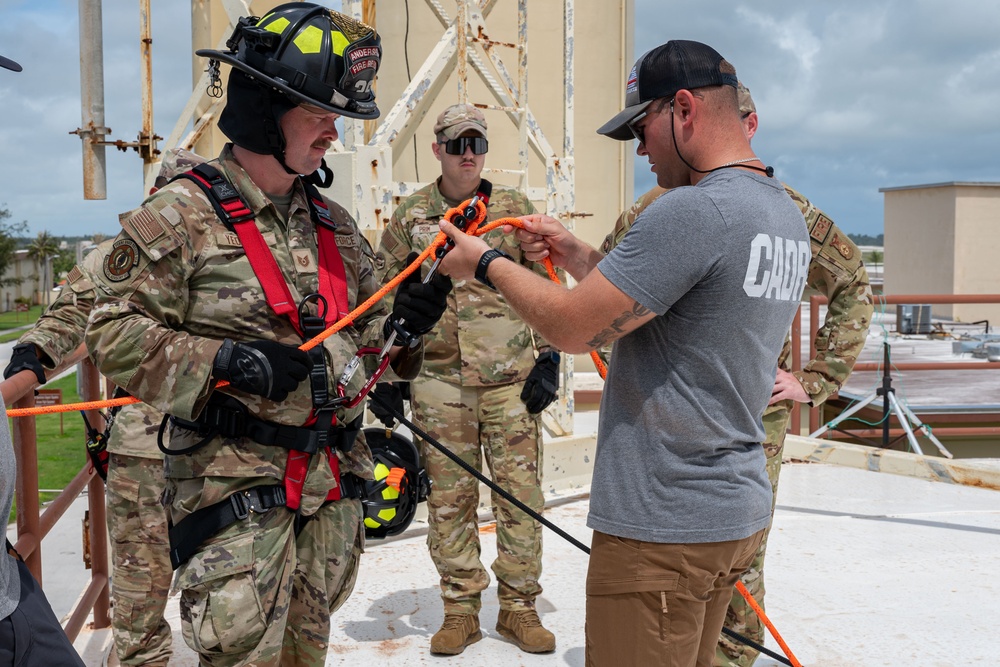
221, 609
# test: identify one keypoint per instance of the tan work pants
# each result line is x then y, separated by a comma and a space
660, 604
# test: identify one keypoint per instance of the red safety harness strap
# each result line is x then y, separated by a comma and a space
236, 214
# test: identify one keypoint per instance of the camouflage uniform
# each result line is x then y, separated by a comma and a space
468, 398
176, 283
137, 524
836, 272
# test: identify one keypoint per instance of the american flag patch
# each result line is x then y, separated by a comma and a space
633, 81
146, 226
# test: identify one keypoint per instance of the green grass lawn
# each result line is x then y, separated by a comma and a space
60, 456
12, 322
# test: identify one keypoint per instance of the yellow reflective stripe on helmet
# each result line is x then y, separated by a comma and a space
309, 40
340, 42
276, 26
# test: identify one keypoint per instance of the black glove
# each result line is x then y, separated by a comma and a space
262, 367
542, 385
25, 357
417, 306
392, 393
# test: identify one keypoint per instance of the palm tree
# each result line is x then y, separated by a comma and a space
40, 251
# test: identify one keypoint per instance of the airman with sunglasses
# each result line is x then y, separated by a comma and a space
480, 392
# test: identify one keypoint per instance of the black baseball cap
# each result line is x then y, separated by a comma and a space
677, 65
9, 64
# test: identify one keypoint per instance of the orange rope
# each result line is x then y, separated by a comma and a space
770, 626
308, 345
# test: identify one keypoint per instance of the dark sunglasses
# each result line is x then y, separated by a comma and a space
457, 146
640, 132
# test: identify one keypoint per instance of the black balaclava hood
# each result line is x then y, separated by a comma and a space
252, 116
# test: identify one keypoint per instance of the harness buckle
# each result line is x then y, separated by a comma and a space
242, 505
228, 421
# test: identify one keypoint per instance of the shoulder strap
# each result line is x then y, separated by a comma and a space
228, 203
332, 274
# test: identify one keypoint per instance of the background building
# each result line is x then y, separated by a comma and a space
943, 238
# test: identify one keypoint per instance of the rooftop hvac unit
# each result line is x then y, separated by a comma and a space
913, 319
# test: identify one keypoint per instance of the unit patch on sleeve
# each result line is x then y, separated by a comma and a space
124, 257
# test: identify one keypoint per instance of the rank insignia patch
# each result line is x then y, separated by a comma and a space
821, 229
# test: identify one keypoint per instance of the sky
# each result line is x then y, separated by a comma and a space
852, 96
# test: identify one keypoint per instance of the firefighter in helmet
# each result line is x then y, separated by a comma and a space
219, 277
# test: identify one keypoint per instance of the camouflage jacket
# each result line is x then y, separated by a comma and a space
479, 341
177, 282
59, 331
836, 271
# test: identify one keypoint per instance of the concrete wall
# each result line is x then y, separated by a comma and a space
977, 264
942, 239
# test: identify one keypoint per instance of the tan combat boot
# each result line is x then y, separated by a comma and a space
457, 632
525, 629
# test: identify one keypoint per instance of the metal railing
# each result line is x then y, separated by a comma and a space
933, 299
32, 524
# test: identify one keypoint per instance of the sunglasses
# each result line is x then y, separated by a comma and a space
458, 146
640, 132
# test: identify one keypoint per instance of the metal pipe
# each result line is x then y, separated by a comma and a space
796, 423
978, 431
55, 509
368, 16
461, 44
99, 558
929, 366
26, 487
147, 138
92, 130
98, 586
522, 93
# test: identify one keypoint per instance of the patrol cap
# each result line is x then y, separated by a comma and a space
9, 64
746, 102
459, 118
677, 65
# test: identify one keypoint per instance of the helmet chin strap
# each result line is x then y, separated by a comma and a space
322, 177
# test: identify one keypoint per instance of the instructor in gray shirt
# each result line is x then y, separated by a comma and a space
697, 298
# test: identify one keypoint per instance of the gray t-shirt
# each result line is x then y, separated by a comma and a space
723, 265
10, 581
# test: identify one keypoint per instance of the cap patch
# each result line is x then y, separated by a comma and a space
633, 82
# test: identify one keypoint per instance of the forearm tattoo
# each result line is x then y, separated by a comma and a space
617, 328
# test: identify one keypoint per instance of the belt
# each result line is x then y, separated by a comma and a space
195, 529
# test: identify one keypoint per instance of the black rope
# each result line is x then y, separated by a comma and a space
530, 512
478, 475
754, 645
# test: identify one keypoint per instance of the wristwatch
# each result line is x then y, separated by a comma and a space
484, 263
